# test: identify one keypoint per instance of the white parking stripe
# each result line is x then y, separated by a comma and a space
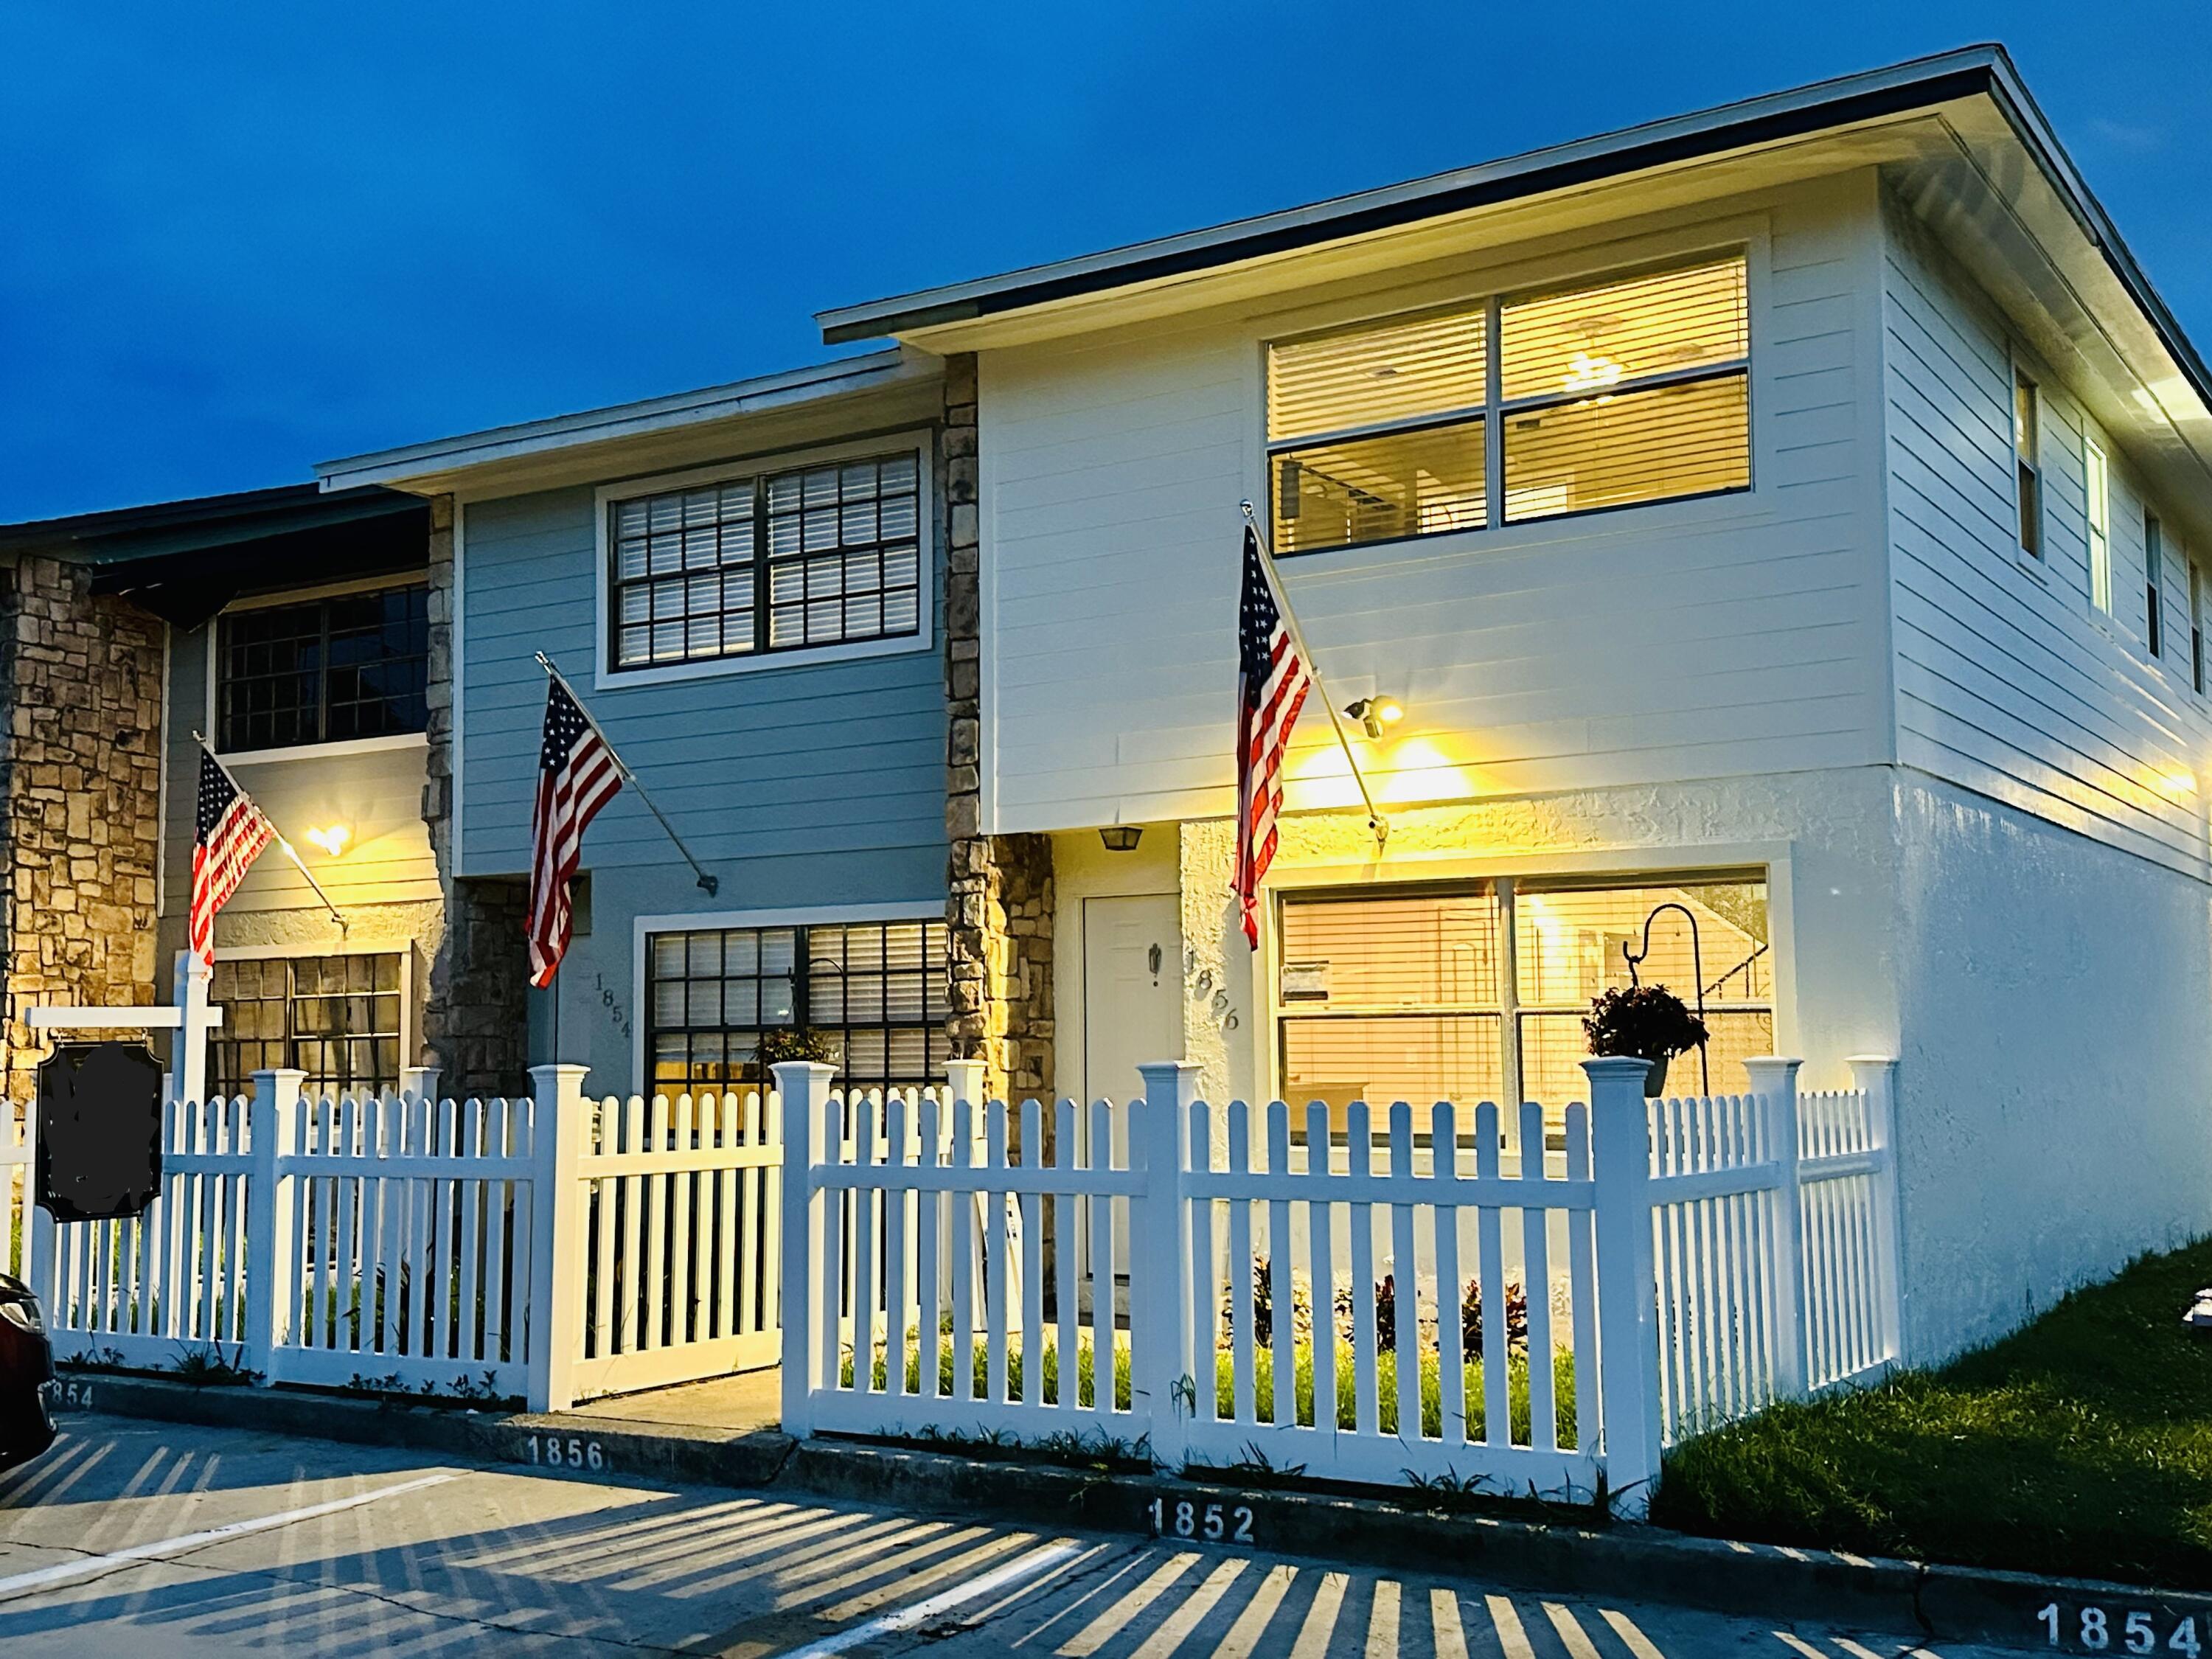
907, 1617
64, 1572
1800, 1647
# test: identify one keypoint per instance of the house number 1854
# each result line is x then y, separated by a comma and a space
2099, 1630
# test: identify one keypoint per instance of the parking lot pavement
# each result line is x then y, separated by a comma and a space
143, 1539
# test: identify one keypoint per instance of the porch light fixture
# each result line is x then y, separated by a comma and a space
1121, 837
331, 841
1376, 713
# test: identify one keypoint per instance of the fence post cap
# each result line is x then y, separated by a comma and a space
564, 1082
1177, 1078
1769, 1073
1614, 1068
802, 1080
1871, 1062
280, 1083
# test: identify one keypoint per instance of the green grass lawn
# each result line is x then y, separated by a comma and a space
2081, 1444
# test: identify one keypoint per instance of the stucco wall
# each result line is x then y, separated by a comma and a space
2056, 1084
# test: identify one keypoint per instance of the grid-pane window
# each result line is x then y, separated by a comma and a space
1386, 997
1633, 390
817, 556
354, 665
337, 1018
876, 990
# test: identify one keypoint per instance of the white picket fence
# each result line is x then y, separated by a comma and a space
1680, 1263
382, 1241
681, 1222
548, 1247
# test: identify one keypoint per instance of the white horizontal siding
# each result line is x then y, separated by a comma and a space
1688, 640
2008, 682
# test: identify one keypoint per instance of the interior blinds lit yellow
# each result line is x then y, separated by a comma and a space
1588, 341
1399, 371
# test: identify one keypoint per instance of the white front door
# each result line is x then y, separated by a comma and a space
1131, 1014
1132, 990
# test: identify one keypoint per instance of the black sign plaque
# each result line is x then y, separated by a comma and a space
100, 1131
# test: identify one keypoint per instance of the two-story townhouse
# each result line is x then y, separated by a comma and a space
745, 587
1779, 531
288, 628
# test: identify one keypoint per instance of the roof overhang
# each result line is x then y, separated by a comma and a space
686, 428
1956, 137
184, 560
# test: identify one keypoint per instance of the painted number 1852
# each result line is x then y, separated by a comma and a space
1214, 1522
2098, 1630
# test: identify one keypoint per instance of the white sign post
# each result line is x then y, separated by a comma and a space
189, 1017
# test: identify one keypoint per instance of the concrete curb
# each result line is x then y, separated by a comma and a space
1623, 1563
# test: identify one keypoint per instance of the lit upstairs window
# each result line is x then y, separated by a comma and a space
1607, 395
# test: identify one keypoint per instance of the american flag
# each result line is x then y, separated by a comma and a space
576, 777
229, 833
1272, 683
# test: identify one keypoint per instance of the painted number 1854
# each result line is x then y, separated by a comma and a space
2098, 1630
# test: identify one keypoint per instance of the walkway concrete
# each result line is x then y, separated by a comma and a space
744, 1402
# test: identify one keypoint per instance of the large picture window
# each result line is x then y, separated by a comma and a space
876, 989
1477, 991
1632, 390
813, 555
328, 670
337, 1018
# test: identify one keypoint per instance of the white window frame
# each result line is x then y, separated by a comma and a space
2154, 582
1658, 255
605, 677
2031, 463
211, 664
2097, 520
700, 922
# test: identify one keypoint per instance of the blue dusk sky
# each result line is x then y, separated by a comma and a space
237, 240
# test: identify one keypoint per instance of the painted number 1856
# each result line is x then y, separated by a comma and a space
1215, 1522
2098, 1630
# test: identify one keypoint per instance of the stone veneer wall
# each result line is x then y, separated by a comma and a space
475, 1020
80, 796
1000, 904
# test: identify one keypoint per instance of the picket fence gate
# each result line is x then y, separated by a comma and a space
1643, 1269
545, 1248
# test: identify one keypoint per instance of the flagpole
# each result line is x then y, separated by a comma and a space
1376, 821
290, 852
710, 885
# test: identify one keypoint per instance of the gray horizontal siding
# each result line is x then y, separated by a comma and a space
817, 783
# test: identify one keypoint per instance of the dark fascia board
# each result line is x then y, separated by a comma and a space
164, 529
1920, 84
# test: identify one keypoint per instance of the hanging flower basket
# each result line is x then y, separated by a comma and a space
1643, 1021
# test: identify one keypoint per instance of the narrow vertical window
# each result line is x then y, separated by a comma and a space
2098, 486
2196, 630
2154, 583
2023, 455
